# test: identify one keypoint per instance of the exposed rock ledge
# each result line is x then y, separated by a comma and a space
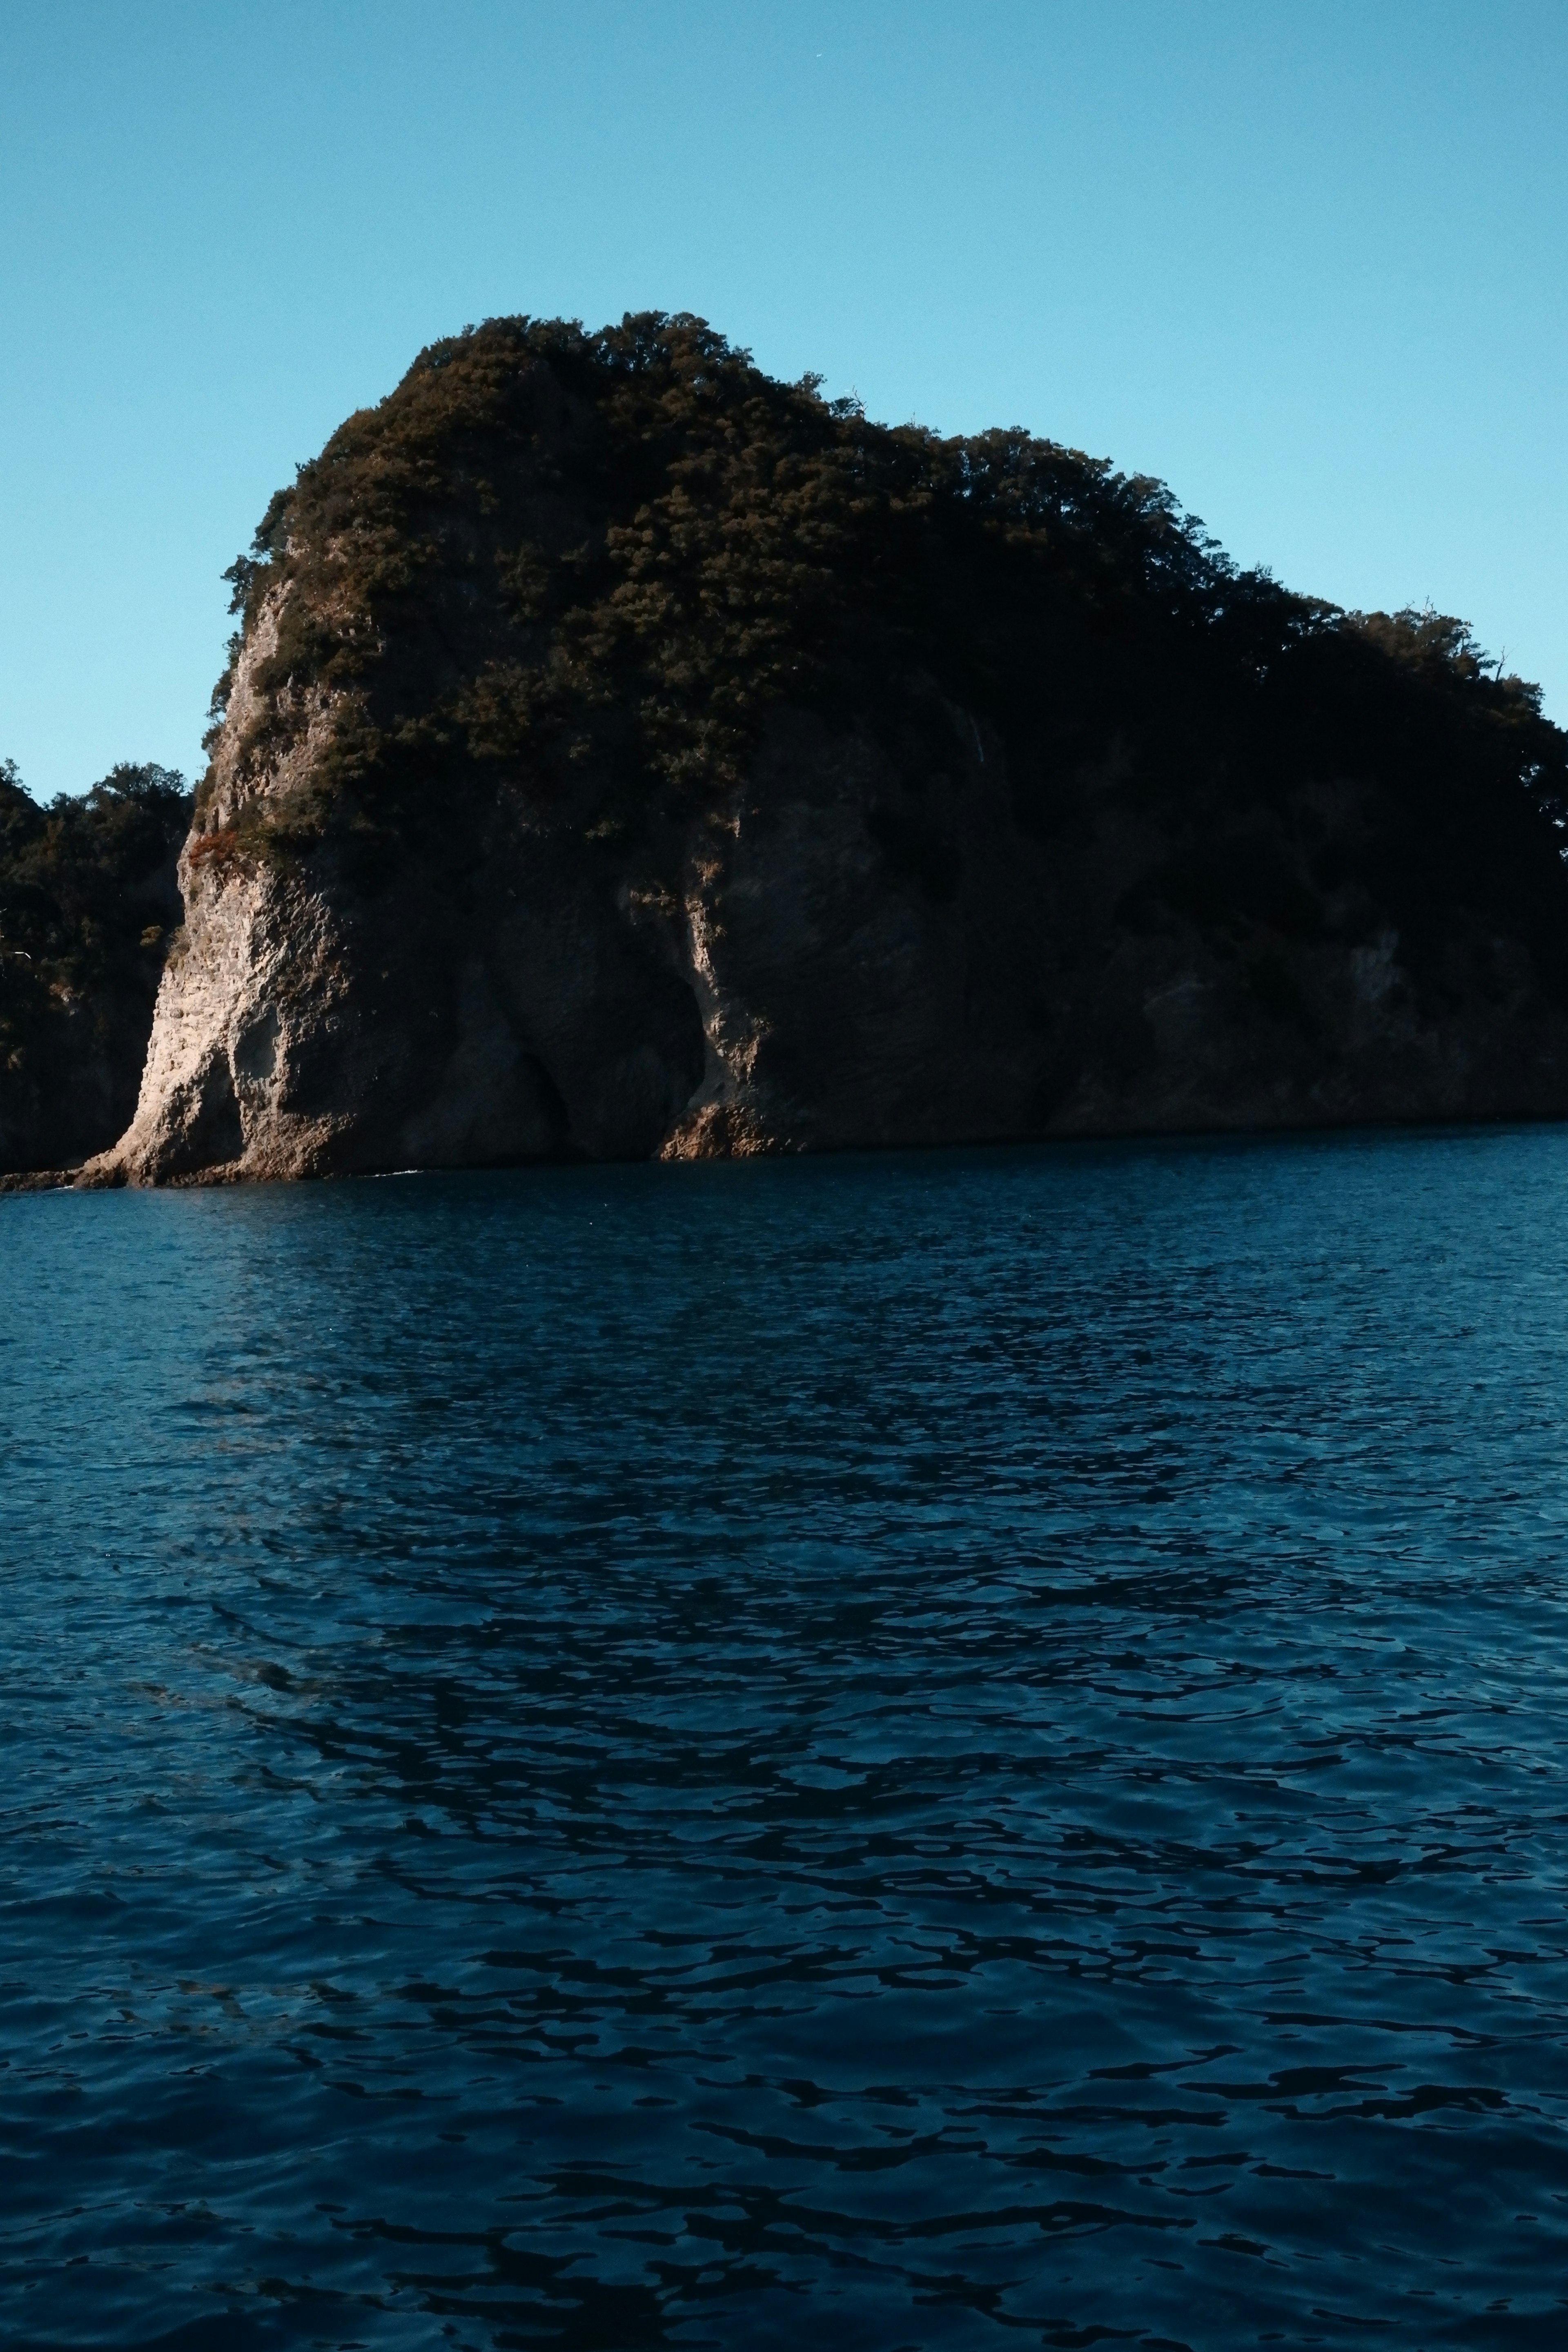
908, 908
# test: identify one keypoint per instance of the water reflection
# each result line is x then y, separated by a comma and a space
901, 1750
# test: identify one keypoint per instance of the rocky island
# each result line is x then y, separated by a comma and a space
623, 754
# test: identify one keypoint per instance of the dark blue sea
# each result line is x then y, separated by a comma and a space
940, 1751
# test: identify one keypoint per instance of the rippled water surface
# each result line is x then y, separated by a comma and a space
931, 1751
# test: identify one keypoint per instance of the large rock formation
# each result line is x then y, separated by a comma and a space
624, 755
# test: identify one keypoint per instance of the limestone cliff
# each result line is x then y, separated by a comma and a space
624, 754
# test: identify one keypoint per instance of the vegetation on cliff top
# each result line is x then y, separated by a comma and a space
87, 901
579, 569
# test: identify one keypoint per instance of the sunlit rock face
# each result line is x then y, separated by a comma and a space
626, 755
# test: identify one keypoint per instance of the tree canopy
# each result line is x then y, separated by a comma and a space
88, 904
581, 568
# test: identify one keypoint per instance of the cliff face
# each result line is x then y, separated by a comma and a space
625, 755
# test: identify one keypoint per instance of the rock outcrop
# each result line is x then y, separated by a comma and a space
624, 755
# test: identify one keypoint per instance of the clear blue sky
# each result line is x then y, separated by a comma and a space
1307, 263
